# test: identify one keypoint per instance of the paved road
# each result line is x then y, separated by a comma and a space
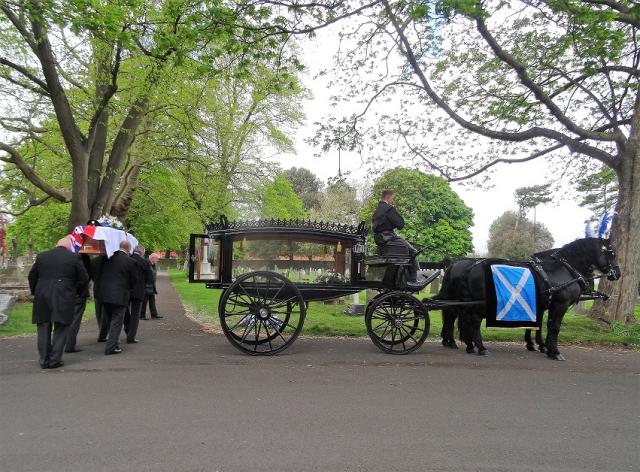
184, 400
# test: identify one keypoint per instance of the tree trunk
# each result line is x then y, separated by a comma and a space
625, 235
79, 204
122, 203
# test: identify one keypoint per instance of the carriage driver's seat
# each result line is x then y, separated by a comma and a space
393, 248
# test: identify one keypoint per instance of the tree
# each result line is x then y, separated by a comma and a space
306, 185
338, 202
598, 192
100, 68
505, 83
280, 202
507, 241
531, 197
435, 216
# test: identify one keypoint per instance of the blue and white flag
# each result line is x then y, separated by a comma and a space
588, 230
515, 293
605, 225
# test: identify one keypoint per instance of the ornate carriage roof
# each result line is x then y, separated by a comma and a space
276, 226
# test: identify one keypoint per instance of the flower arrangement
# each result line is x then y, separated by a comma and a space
111, 222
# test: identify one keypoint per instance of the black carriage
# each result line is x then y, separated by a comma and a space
270, 270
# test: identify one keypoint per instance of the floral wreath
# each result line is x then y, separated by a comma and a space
111, 222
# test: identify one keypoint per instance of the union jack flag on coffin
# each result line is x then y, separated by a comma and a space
109, 237
512, 298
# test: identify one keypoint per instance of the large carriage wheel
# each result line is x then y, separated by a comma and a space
262, 313
397, 322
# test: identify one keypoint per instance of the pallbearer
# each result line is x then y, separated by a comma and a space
55, 280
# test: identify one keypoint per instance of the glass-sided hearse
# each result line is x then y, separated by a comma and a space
270, 270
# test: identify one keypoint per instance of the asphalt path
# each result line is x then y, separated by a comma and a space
185, 400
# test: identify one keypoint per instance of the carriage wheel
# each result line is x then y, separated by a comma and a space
397, 323
262, 313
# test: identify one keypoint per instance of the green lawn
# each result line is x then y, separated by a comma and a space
330, 320
19, 322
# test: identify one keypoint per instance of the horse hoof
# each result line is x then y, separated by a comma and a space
530, 347
483, 352
470, 350
542, 349
556, 357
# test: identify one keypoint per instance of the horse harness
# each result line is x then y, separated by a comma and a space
586, 289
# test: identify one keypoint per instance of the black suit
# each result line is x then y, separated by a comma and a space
117, 279
55, 279
384, 222
132, 316
150, 294
96, 268
81, 304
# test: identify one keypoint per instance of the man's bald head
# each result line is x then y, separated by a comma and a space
65, 243
125, 246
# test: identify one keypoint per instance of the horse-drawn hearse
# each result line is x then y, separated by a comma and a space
269, 271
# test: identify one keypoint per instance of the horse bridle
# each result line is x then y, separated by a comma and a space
585, 289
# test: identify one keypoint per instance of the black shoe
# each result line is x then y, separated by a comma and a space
44, 366
102, 340
144, 318
117, 350
75, 349
56, 365
157, 317
132, 341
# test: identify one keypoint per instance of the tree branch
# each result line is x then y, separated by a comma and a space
535, 132
23, 70
16, 159
32, 203
540, 94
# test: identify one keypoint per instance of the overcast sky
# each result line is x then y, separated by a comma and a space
564, 218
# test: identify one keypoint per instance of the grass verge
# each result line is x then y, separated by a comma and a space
19, 321
330, 320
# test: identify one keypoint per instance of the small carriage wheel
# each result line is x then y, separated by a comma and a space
397, 323
262, 313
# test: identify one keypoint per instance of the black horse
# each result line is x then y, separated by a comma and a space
566, 274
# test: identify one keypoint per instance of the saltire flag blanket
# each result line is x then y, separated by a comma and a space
112, 237
512, 301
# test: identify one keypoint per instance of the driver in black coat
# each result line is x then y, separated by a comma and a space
55, 280
385, 220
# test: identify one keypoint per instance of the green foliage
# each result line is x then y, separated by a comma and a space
435, 216
160, 216
166, 72
44, 224
279, 201
513, 236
